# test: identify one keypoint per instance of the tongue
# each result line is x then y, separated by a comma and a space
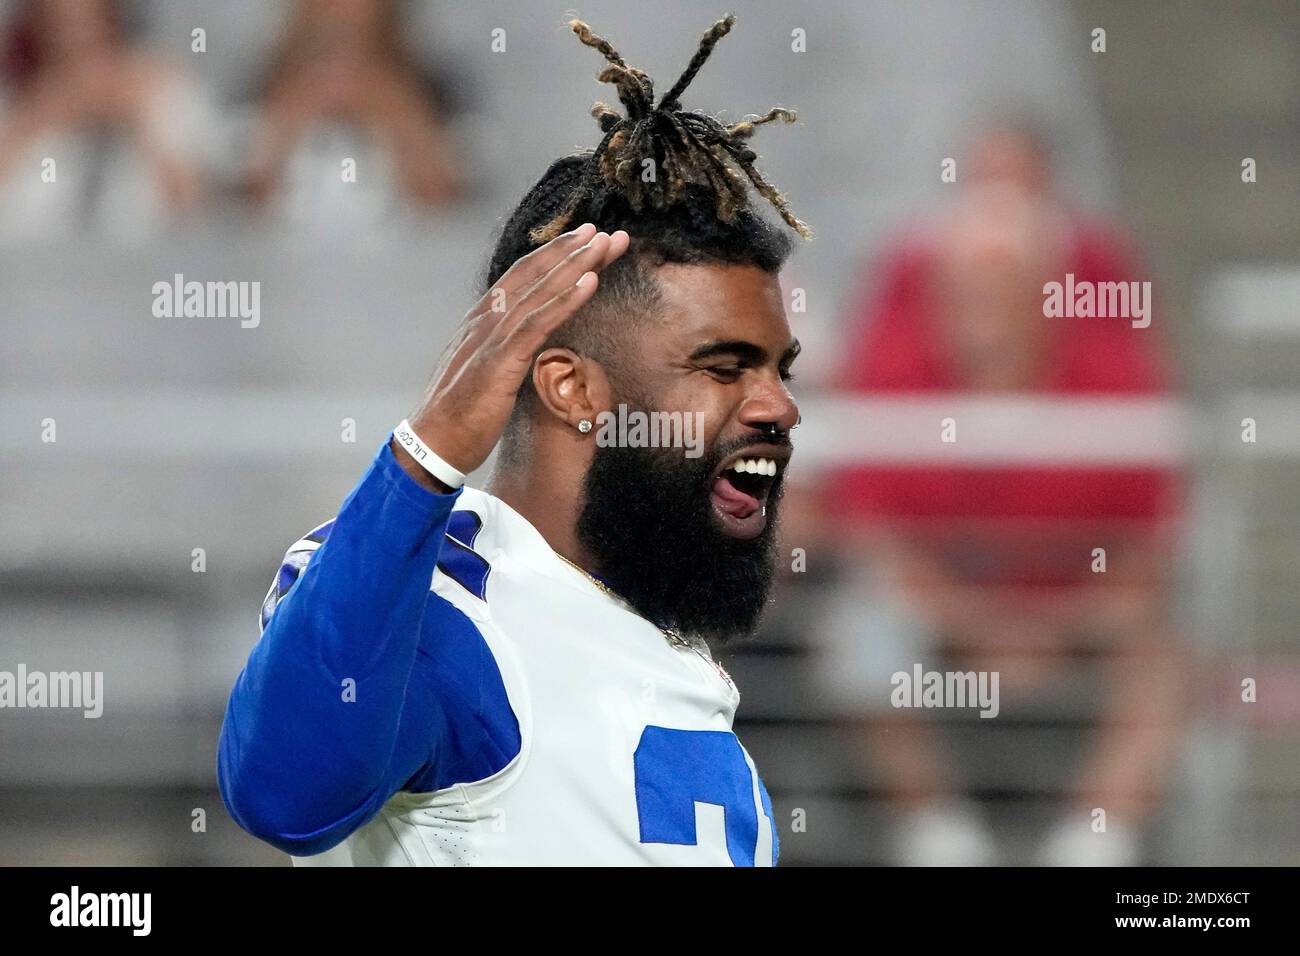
732, 500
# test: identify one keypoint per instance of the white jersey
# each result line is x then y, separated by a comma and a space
626, 756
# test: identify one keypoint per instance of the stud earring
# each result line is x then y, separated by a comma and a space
584, 426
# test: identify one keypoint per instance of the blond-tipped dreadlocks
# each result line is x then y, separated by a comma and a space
686, 147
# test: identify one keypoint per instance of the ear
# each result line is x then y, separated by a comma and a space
569, 386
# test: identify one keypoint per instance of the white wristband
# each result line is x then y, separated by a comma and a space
426, 457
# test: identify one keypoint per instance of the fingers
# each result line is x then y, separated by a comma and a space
558, 295
566, 257
540, 261
533, 327
564, 273
553, 297
618, 244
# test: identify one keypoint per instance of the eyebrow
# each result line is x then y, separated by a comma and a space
746, 351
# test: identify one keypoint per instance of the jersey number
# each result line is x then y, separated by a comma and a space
676, 769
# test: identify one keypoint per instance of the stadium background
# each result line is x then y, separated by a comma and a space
177, 434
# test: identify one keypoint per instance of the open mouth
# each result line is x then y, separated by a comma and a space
741, 487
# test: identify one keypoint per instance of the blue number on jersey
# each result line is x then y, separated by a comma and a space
676, 769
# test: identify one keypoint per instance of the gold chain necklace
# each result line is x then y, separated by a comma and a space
674, 636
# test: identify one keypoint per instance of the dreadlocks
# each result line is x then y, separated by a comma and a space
677, 181
688, 146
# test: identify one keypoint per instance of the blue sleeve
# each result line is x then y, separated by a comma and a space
364, 682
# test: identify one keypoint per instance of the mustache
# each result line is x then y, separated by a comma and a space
707, 464
722, 451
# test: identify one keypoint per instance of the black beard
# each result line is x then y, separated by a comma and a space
648, 523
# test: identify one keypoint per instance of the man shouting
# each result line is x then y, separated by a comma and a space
523, 675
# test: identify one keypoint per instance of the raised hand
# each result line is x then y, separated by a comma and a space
472, 392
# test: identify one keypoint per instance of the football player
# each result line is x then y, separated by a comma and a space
523, 674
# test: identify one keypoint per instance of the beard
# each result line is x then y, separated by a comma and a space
648, 522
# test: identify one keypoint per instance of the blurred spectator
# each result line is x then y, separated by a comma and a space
988, 567
342, 62
70, 67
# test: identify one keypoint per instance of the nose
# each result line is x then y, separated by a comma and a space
770, 407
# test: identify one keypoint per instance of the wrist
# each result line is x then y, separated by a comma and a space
416, 473
417, 454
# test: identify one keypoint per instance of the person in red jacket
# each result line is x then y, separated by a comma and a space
990, 564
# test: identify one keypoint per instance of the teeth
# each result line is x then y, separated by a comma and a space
755, 466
